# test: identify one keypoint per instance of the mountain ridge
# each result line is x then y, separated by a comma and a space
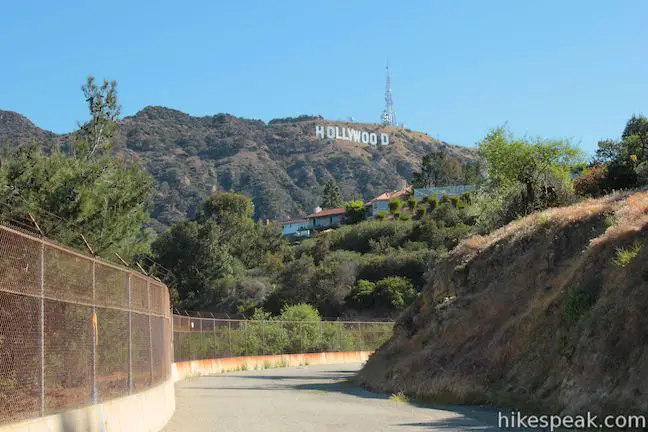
280, 164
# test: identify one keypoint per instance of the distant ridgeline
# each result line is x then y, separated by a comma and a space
300, 118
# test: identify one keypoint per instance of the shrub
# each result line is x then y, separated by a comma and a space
357, 237
433, 203
395, 205
363, 295
592, 182
405, 217
380, 216
396, 292
454, 200
642, 173
447, 213
420, 212
466, 198
625, 256
579, 301
303, 328
412, 203
354, 212
396, 214
411, 265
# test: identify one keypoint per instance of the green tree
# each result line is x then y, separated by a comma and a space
437, 169
97, 134
531, 174
332, 198
395, 292
303, 327
87, 191
625, 160
354, 212
198, 258
233, 214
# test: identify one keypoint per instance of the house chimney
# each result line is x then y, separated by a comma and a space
318, 209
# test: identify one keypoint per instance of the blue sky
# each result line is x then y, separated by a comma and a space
557, 69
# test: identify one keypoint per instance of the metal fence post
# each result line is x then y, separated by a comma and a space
262, 337
214, 335
245, 331
41, 324
148, 290
301, 337
229, 336
322, 341
190, 337
361, 344
130, 338
201, 350
95, 331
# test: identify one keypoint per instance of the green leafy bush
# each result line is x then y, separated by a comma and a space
354, 212
357, 237
433, 203
625, 256
303, 327
395, 291
394, 205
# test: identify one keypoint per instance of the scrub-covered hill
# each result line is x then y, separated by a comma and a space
548, 312
283, 165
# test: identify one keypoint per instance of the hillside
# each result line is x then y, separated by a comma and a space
547, 313
281, 165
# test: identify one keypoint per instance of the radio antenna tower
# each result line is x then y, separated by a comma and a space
388, 115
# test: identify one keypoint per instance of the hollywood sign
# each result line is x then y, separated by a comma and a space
349, 134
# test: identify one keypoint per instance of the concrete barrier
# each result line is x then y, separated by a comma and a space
149, 410
194, 368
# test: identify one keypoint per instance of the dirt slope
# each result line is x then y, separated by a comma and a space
539, 315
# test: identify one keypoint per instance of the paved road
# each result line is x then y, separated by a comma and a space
311, 398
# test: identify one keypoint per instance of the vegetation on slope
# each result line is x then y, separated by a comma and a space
548, 311
280, 165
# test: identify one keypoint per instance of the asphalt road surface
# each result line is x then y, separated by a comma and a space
311, 398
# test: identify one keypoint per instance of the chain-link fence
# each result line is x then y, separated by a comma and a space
75, 330
197, 338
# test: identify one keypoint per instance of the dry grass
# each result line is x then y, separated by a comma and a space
625, 205
536, 313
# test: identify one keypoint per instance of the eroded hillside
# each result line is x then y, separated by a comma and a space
547, 313
282, 165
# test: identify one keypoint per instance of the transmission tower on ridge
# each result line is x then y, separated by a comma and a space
388, 115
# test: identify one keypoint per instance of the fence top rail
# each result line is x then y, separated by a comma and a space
78, 254
224, 320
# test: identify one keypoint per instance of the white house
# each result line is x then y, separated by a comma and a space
296, 228
326, 218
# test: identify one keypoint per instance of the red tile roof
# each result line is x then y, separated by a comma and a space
390, 195
327, 212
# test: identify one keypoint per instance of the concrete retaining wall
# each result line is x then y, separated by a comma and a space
194, 368
147, 411
151, 409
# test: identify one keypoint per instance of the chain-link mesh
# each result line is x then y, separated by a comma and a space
74, 330
203, 338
